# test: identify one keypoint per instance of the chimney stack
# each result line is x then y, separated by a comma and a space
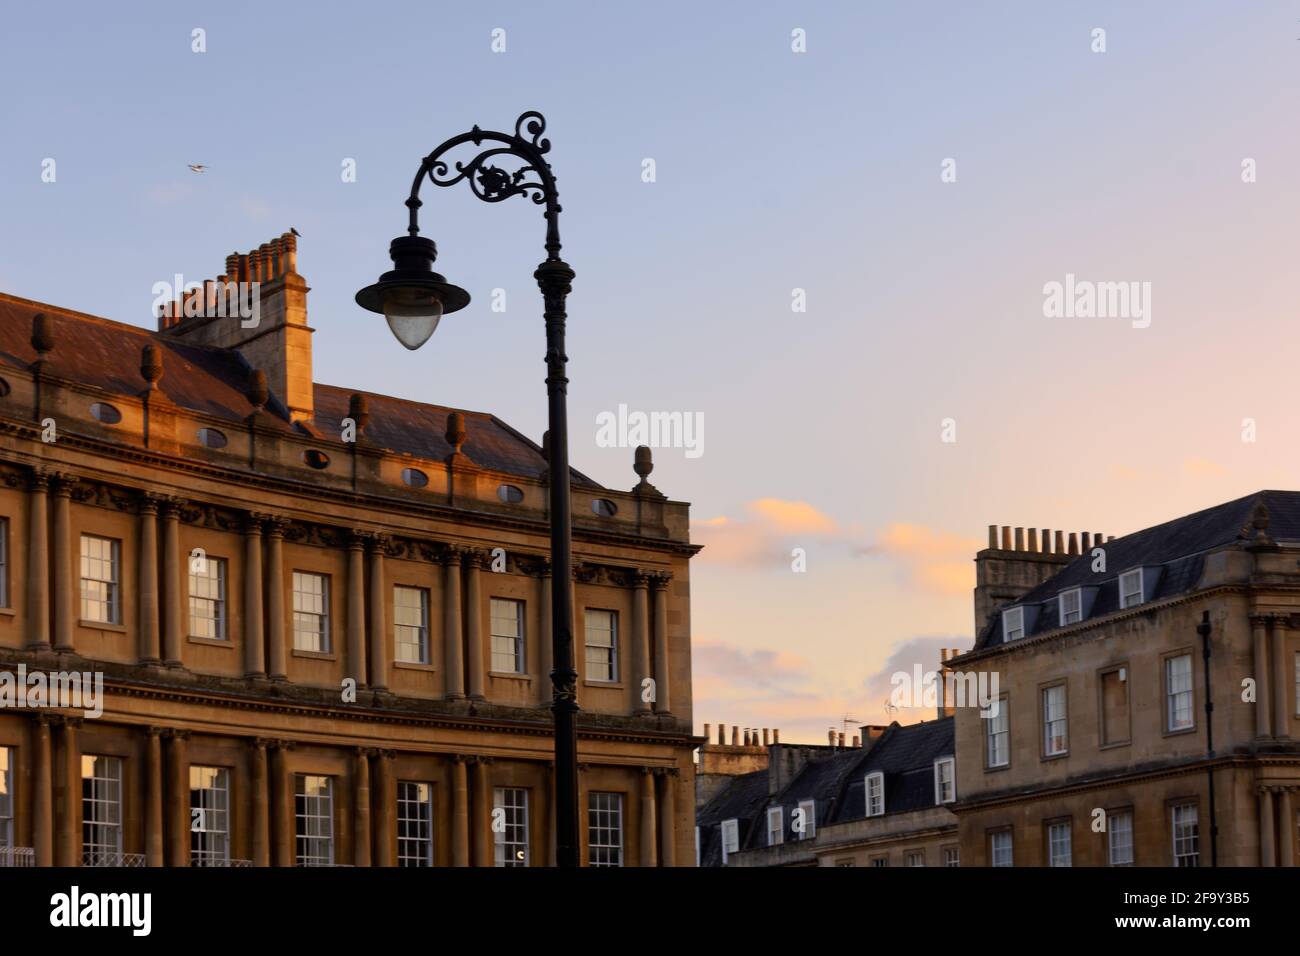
1011, 565
258, 307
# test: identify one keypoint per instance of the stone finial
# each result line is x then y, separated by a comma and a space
42, 334
359, 410
1257, 530
257, 392
455, 434
643, 464
151, 365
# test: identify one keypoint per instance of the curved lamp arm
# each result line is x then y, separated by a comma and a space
531, 176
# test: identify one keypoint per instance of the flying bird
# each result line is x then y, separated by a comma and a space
197, 167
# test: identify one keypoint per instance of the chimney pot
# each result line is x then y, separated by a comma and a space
1020, 539
841, 740
708, 732
1085, 539
1047, 541
993, 537
857, 741
776, 736
1033, 540
765, 737
831, 736
1074, 543
735, 736
1006, 538
1059, 542
722, 735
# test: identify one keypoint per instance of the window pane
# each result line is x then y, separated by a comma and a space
310, 612
209, 816
101, 810
602, 644
512, 832
414, 824
507, 636
411, 624
314, 816
605, 829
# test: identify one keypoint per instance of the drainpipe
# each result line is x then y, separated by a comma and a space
1203, 629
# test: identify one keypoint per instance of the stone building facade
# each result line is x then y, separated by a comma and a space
1104, 751
321, 617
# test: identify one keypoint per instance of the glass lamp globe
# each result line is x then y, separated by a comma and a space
413, 313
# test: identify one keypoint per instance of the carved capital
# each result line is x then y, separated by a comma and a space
659, 579
275, 526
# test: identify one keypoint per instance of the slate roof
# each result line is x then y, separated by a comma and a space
741, 799
904, 754
1175, 552
105, 355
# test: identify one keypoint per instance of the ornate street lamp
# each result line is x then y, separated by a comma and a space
413, 298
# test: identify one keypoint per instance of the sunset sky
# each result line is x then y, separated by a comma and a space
775, 171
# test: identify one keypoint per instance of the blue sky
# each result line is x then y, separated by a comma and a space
775, 171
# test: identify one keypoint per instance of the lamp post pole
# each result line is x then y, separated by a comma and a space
529, 174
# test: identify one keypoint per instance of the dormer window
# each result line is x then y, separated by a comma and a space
945, 780
1071, 606
1013, 624
875, 784
1130, 588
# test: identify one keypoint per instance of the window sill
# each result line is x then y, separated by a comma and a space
1116, 745
102, 626
609, 684
211, 641
7, 612
1000, 768
315, 655
507, 675
1180, 732
1058, 756
414, 666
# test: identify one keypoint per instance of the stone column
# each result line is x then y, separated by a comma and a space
545, 636
261, 803
65, 595
1286, 828
667, 835
641, 639
451, 629
474, 622
254, 652
175, 609
648, 855
282, 805
178, 809
459, 812
1283, 681
153, 797
360, 808
483, 838
1263, 695
1266, 848
385, 804
379, 635
147, 572
356, 637
70, 812
42, 792
275, 598
38, 562
663, 703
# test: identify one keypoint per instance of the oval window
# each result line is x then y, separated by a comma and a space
315, 459
414, 477
106, 413
510, 494
604, 507
212, 438
4, 388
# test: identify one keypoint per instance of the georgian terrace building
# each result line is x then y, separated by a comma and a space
1103, 751
317, 650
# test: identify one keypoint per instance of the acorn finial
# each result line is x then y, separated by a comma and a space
359, 410
42, 334
151, 366
643, 462
258, 393
455, 431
